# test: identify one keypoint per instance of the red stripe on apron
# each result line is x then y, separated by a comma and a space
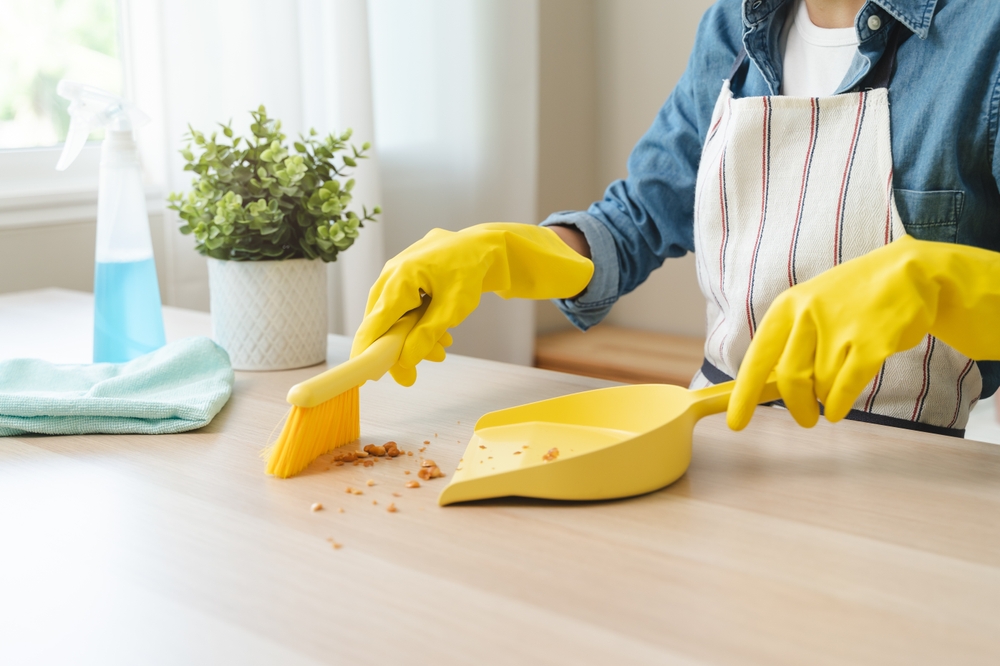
842, 200
925, 387
806, 168
958, 402
765, 168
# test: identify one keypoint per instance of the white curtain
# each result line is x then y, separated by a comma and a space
446, 90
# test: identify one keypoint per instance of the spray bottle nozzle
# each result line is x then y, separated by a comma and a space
90, 108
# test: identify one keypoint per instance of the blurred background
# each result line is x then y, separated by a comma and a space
478, 110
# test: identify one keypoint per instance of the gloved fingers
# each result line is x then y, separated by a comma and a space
858, 369
396, 300
446, 340
761, 357
437, 354
445, 311
794, 373
404, 376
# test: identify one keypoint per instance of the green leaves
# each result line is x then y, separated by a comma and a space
253, 199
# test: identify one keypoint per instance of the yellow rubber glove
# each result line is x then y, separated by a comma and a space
454, 269
827, 337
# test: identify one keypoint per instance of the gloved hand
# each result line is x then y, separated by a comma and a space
826, 338
454, 269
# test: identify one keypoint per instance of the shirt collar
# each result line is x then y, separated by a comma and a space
914, 14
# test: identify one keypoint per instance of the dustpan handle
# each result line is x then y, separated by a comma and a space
715, 399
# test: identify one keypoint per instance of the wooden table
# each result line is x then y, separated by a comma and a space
843, 544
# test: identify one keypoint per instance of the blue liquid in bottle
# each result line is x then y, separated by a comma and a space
128, 321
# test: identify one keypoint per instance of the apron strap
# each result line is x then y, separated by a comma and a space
881, 74
740, 58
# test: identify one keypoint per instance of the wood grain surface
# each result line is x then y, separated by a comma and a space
844, 544
622, 355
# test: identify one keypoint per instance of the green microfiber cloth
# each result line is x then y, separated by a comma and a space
179, 387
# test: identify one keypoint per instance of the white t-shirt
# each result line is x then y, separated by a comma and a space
816, 59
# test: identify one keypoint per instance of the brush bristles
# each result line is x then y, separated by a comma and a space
310, 432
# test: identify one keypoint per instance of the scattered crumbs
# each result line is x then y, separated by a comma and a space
369, 482
422, 449
336, 546
391, 508
396, 495
517, 453
316, 507
412, 484
551, 455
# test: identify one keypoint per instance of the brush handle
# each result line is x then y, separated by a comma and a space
715, 399
370, 364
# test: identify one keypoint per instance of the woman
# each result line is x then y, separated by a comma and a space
866, 231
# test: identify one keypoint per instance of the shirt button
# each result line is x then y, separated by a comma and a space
874, 23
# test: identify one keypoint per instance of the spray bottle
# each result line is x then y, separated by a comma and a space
128, 321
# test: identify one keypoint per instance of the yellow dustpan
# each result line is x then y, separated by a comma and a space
602, 444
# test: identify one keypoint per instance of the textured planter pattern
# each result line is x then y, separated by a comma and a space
269, 315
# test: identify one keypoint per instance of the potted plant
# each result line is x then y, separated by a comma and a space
268, 217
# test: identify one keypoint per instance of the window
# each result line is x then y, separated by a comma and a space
41, 42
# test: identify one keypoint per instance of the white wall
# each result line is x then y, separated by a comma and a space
638, 49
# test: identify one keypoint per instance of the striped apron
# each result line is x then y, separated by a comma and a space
787, 188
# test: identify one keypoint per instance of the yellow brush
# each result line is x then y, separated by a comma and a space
325, 408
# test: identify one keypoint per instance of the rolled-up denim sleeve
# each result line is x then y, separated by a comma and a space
649, 216
591, 306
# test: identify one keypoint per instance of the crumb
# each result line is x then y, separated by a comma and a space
458, 422
316, 507
481, 446
525, 446
340, 510
336, 546
428, 463
362, 454
517, 453
391, 508
339, 463
356, 492
369, 463
348, 490
489, 457
396, 495
406, 471
427, 441
374, 502
410, 453
412, 484
435, 434
552, 454
326, 469
374, 450
369, 482
422, 449
430, 472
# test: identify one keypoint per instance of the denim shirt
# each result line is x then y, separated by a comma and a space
944, 108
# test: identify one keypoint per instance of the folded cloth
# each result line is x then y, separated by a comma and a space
179, 387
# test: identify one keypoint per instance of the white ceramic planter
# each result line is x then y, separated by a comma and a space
269, 315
